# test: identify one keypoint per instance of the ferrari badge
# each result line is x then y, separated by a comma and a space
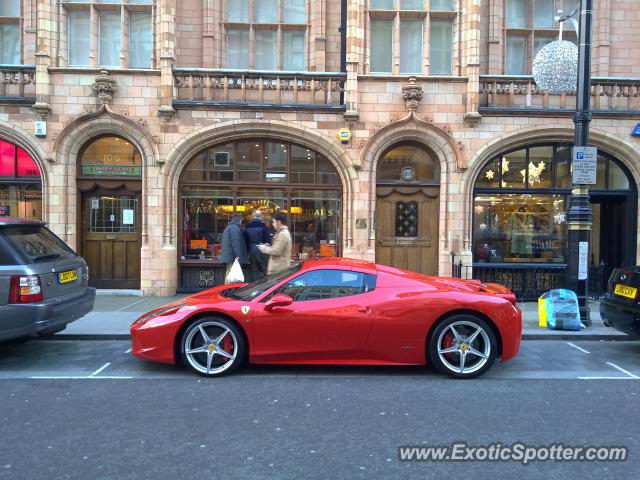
245, 309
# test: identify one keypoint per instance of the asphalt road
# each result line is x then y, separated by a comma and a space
89, 410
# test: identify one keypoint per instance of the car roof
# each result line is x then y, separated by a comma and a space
340, 262
4, 221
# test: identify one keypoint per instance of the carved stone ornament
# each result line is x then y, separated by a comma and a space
104, 86
412, 94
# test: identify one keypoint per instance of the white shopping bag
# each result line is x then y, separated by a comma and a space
235, 274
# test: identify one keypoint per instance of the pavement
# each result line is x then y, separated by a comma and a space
113, 314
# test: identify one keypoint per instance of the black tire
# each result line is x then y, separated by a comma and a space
477, 355
220, 353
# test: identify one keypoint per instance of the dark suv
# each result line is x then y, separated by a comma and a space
620, 308
43, 283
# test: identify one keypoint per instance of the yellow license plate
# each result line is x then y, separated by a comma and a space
625, 291
70, 276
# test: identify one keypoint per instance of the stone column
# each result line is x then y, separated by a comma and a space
166, 43
470, 58
44, 40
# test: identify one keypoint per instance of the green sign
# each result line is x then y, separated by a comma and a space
113, 170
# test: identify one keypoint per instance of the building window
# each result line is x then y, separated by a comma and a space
20, 183
10, 32
110, 156
266, 34
120, 30
398, 29
270, 176
529, 26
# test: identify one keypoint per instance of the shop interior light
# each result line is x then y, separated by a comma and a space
296, 210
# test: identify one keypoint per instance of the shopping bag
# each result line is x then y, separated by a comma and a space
235, 274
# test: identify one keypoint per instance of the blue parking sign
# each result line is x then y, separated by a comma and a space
636, 131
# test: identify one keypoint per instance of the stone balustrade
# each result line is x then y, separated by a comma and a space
18, 84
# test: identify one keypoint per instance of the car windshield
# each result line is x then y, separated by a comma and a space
36, 243
253, 289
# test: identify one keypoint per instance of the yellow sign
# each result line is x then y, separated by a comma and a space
344, 135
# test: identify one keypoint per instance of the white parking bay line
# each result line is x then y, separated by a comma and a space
51, 377
127, 306
128, 351
623, 370
607, 378
579, 348
100, 369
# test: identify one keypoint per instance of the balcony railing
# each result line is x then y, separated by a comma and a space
18, 84
609, 95
195, 87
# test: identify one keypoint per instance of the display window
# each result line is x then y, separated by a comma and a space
20, 183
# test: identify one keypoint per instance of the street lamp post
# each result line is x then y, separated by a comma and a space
579, 214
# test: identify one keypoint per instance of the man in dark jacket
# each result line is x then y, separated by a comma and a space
233, 244
256, 232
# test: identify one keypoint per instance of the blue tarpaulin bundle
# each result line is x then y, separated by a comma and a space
562, 309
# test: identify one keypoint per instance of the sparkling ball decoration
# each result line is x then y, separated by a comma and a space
555, 68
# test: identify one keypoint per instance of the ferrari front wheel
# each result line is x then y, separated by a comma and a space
212, 347
462, 346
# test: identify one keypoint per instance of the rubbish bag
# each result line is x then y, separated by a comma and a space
235, 274
562, 310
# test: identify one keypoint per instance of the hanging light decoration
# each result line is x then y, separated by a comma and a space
555, 67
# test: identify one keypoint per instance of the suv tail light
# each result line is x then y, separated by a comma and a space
25, 289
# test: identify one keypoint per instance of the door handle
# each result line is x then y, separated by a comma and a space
364, 309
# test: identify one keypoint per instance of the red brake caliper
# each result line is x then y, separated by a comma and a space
447, 342
227, 345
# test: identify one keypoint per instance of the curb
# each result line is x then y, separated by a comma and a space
86, 336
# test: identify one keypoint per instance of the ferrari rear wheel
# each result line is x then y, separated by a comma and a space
462, 346
212, 347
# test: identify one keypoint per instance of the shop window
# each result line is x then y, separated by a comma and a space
20, 185
10, 32
408, 19
314, 222
272, 30
128, 24
408, 164
111, 156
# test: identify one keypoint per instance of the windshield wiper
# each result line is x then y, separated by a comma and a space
43, 258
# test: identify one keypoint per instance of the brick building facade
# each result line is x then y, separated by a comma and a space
164, 117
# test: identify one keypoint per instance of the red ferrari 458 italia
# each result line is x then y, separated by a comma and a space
336, 311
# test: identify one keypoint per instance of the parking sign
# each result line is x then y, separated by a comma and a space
585, 164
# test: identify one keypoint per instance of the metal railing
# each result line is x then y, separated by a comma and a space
197, 86
18, 84
521, 91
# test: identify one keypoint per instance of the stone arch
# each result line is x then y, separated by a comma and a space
26, 142
235, 130
624, 151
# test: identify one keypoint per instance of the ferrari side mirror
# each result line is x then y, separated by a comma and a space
279, 300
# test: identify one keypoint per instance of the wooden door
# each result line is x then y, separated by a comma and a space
111, 239
407, 228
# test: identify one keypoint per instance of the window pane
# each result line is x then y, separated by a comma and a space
10, 8
267, 200
111, 156
266, 11
381, 5
519, 228
221, 161
325, 171
490, 175
265, 50
544, 12
617, 178
248, 158
314, 221
21, 200
446, 5
513, 168
381, 46
302, 164
238, 10
276, 162
79, 36
563, 167
540, 167
7, 159
139, 40
441, 47
517, 13
295, 11
294, 51
110, 35
26, 165
238, 49
516, 56
423, 168
324, 284
411, 46
540, 42
10, 41
412, 5
206, 212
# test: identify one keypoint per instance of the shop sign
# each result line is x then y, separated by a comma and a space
585, 163
112, 170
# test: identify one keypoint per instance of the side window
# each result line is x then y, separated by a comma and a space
321, 284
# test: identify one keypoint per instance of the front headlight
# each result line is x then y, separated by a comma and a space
158, 313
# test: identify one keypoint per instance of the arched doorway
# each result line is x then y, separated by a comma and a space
20, 183
520, 234
109, 179
242, 176
407, 208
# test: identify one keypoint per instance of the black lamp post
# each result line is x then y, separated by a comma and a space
579, 214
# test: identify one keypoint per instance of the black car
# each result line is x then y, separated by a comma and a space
620, 308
